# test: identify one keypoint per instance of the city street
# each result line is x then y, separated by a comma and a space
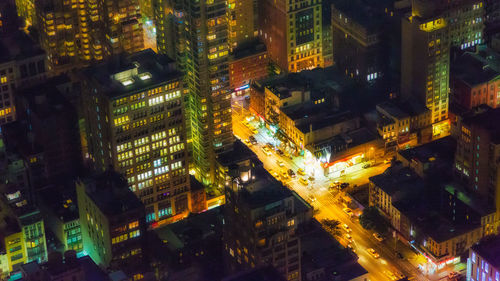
327, 205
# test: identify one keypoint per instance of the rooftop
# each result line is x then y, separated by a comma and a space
263, 189
240, 152
368, 13
18, 46
330, 120
438, 151
248, 49
485, 120
268, 273
122, 75
398, 179
111, 194
488, 249
393, 110
61, 200
475, 68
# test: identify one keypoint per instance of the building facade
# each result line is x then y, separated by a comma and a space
483, 262
112, 223
202, 54
249, 62
134, 114
240, 22
292, 32
19, 68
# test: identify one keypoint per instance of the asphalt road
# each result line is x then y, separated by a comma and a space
327, 205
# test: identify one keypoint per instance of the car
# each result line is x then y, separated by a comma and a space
270, 146
254, 131
247, 142
386, 161
301, 172
288, 155
400, 256
252, 140
266, 151
275, 174
346, 228
303, 181
367, 165
291, 173
334, 184
378, 237
280, 163
399, 275
373, 253
279, 151
344, 185
350, 246
311, 178
348, 237
244, 122
284, 175
311, 198
348, 211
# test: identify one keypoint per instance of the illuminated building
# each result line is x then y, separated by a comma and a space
76, 34
19, 67
327, 36
262, 218
166, 32
475, 79
134, 115
360, 34
112, 223
292, 33
475, 159
122, 27
23, 235
440, 220
483, 262
203, 55
249, 62
403, 124
26, 10
9, 21
240, 15
427, 36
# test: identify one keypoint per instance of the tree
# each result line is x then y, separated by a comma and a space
332, 226
372, 219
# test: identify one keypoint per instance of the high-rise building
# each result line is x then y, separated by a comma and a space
483, 261
202, 52
22, 63
478, 149
292, 33
112, 223
134, 115
165, 20
77, 34
26, 10
261, 222
360, 34
427, 36
426, 62
240, 15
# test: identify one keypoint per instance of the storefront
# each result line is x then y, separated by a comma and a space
344, 166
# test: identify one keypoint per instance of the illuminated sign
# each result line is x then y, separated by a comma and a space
244, 87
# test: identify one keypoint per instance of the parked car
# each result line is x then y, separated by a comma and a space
346, 228
279, 151
348, 237
254, 131
280, 163
301, 172
252, 140
373, 253
266, 151
291, 173
303, 181
311, 198
284, 175
367, 165
344, 185
378, 237
348, 211
247, 142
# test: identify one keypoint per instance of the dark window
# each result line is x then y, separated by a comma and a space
24, 71
32, 69
41, 66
